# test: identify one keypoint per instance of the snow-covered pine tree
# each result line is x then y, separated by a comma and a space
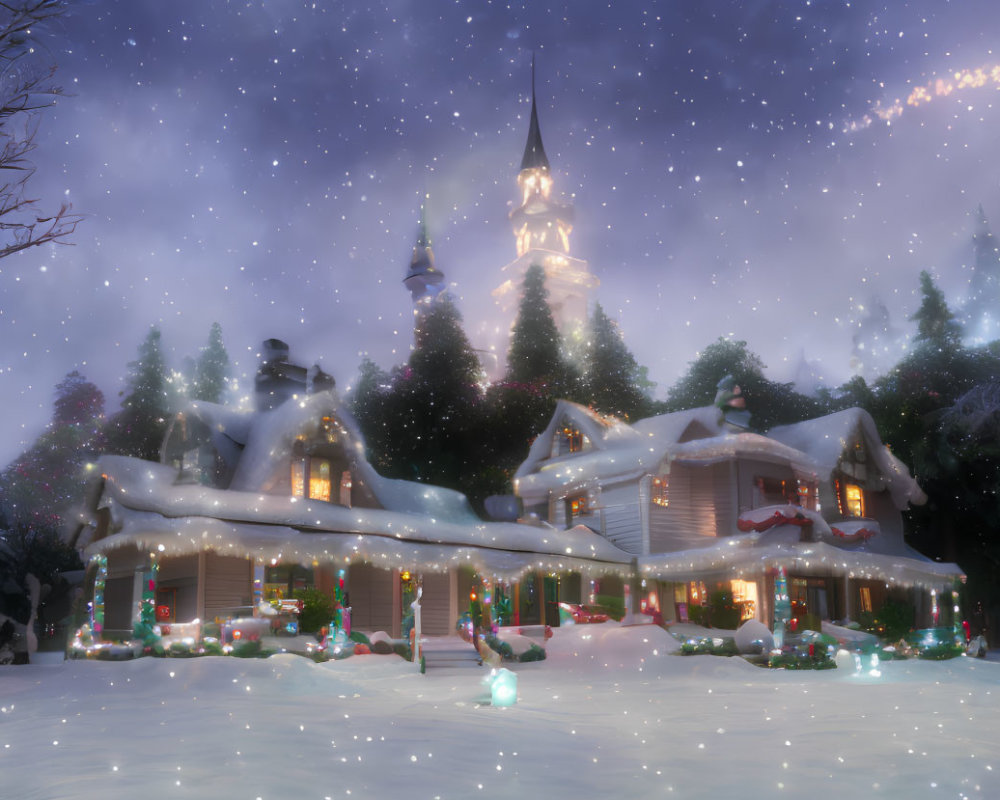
211, 372
367, 402
536, 355
612, 378
981, 310
936, 325
43, 486
432, 412
138, 429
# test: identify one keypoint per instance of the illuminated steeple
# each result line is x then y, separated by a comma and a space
534, 152
542, 226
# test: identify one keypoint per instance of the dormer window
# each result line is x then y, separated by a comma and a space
851, 499
854, 500
569, 439
859, 452
311, 478
329, 428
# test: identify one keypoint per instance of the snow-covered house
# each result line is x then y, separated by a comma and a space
703, 504
250, 505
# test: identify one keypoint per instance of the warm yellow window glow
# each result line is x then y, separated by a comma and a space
660, 491
854, 502
319, 479
578, 506
866, 599
298, 478
745, 596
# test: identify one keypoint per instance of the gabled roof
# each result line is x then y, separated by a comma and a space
618, 451
826, 438
268, 438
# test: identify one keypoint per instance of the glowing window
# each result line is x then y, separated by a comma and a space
578, 505
319, 479
318, 472
570, 440
854, 501
660, 491
298, 478
866, 599
745, 597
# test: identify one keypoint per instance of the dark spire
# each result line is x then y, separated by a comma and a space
534, 153
423, 279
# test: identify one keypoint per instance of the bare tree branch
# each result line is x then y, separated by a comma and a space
25, 90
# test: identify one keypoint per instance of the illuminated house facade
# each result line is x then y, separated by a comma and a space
702, 504
247, 506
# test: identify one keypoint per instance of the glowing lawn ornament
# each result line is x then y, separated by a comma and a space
503, 687
782, 607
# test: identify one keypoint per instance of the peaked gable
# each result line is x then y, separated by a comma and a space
829, 440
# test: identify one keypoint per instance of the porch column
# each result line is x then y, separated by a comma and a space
138, 582
200, 586
847, 596
452, 599
397, 605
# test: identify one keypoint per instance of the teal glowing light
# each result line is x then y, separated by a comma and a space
503, 687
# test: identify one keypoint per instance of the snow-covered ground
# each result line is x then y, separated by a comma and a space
612, 713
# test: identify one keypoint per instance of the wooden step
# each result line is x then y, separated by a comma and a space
444, 652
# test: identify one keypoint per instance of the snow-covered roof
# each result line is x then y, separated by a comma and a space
753, 554
269, 437
826, 438
617, 451
732, 445
149, 511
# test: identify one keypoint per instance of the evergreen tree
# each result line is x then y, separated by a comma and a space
432, 412
934, 374
536, 352
368, 405
211, 372
698, 386
138, 429
768, 402
981, 310
612, 378
936, 325
42, 488
77, 402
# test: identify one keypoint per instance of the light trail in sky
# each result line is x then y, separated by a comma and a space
925, 93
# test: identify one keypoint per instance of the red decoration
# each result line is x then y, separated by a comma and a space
860, 535
778, 518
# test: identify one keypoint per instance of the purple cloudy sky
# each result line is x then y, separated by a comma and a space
261, 164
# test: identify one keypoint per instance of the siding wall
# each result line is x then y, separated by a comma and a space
372, 593
435, 615
622, 522
181, 574
701, 504
228, 586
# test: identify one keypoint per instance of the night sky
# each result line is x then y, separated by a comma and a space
262, 163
